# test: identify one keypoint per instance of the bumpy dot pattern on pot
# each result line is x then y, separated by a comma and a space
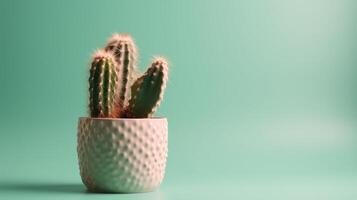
122, 155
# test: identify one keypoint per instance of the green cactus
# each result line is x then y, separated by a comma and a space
124, 50
103, 83
147, 91
113, 80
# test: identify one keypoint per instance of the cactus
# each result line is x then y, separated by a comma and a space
124, 50
103, 82
112, 81
147, 91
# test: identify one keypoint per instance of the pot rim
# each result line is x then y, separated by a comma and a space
122, 119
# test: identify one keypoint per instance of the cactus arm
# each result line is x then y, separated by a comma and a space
147, 91
125, 74
124, 50
94, 89
102, 86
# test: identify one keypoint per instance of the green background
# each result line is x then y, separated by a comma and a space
261, 100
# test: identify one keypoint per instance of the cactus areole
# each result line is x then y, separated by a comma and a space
114, 89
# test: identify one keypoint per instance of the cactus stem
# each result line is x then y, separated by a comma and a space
147, 91
123, 48
102, 86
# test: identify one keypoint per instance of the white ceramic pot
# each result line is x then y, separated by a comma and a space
122, 155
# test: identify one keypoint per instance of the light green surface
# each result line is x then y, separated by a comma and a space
261, 101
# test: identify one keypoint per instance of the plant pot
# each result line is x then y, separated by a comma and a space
122, 155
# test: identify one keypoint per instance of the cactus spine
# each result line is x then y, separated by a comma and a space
147, 91
124, 50
112, 81
103, 81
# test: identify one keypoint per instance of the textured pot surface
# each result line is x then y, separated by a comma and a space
122, 155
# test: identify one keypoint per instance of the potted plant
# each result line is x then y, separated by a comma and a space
121, 147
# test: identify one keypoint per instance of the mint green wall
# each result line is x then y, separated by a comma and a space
257, 88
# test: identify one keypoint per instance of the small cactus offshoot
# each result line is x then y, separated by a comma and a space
114, 90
